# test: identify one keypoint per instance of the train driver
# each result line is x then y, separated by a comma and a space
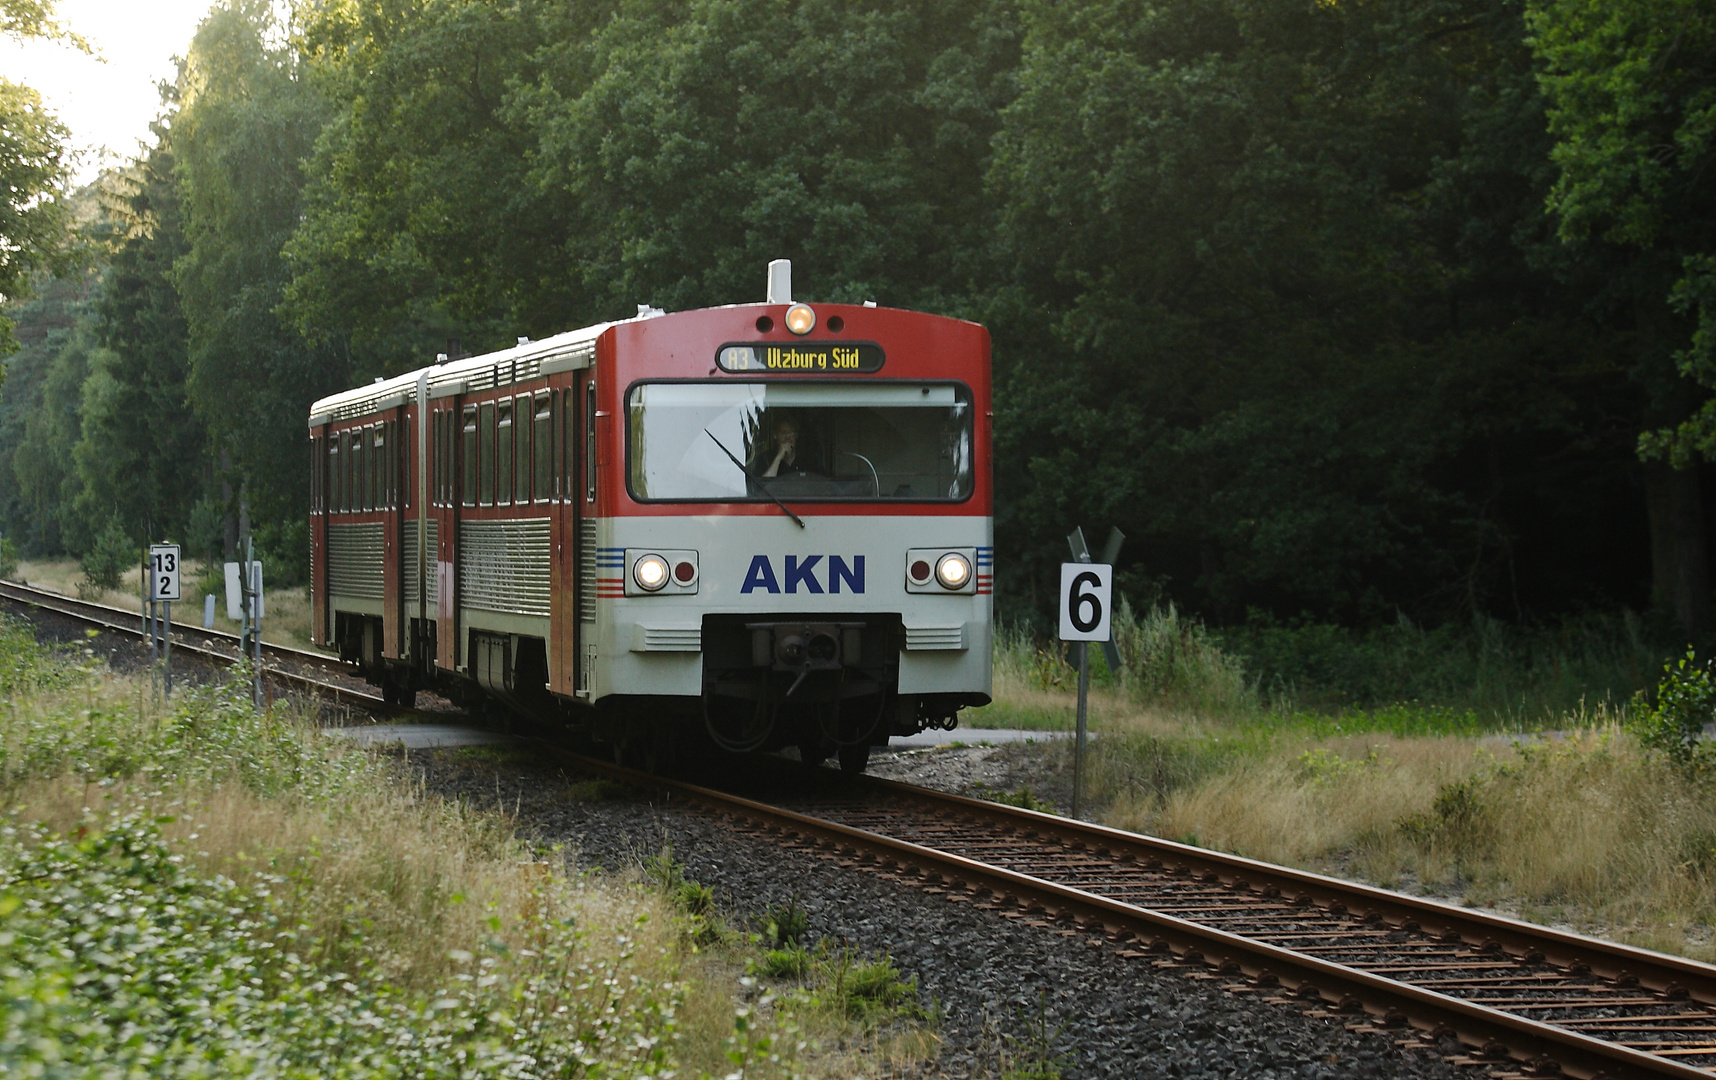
788, 452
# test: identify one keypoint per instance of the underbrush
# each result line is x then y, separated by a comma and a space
1590, 829
1401, 679
1607, 822
206, 890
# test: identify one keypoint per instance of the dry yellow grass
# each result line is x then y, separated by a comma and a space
1586, 830
348, 847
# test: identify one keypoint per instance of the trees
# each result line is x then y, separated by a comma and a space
33, 166
1277, 306
245, 122
1632, 86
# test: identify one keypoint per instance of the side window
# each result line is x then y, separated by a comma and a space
401, 436
542, 446
590, 442
486, 460
566, 461
472, 465
372, 468
521, 478
390, 447
365, 496
348, 466
503, 452
437, 473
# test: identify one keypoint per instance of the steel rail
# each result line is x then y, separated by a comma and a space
1496, 1035
108, 615
121, 621
1660, 972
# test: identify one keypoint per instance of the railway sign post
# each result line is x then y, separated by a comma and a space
162, 572
1087, 609
244, 603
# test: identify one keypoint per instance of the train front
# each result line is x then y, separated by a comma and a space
801, 551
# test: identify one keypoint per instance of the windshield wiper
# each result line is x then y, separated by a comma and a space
796, 520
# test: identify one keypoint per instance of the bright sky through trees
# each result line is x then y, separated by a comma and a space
107, 102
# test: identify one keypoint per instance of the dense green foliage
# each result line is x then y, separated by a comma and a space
1342, 312
33, 166
120, 955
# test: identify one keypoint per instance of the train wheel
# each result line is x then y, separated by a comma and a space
854, 759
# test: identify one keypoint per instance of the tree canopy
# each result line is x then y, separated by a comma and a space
1358, 311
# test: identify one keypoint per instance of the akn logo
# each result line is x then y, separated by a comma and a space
799, 572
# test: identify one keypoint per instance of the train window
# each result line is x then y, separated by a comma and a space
542, 448
486, 456
437, 468
590, 442
387, 471
333, 498
473, 464
567, 461
348, 469
750, 441
526, 429
402, 463
503, 452
371, 465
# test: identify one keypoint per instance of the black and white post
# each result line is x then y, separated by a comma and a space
1087, 590
162, 570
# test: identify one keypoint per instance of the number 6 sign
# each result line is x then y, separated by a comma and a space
1086, 597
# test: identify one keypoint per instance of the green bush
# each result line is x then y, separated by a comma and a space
106, 562
194, 976
1685, 702
786, 923
8, 557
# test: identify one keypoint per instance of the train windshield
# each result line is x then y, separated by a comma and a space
726, 442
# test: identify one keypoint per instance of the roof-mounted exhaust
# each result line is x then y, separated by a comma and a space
780, 281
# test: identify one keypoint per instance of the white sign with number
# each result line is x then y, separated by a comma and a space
164, 572
1086, 597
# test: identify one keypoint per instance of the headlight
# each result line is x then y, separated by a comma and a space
800, 319
650, 572
952, 571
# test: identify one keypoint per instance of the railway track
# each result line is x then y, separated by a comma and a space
1524, 1000
294, 669
1520, 999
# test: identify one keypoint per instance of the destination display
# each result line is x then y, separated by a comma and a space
802, 358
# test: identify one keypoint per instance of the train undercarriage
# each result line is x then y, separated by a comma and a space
825, 686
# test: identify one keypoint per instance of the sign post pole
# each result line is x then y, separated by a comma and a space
1086, 602
163, 571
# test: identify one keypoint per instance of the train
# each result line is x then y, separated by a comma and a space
737, 529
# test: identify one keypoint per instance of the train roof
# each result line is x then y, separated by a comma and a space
521, 363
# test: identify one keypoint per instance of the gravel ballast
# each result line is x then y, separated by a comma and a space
989, 974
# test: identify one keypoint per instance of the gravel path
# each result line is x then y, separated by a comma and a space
1122, 1017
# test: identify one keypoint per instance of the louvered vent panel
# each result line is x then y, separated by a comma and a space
503, 566
587, 569
935, 637
355, 561
410, 564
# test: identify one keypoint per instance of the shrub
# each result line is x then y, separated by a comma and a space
8, 557
105, 563
786, 923
1685, 702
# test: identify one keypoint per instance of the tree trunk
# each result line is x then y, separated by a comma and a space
1680, 566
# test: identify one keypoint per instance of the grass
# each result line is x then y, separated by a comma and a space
287, 905
1507, 790
287, 611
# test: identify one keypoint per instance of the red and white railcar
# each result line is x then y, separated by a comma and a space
759, 526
